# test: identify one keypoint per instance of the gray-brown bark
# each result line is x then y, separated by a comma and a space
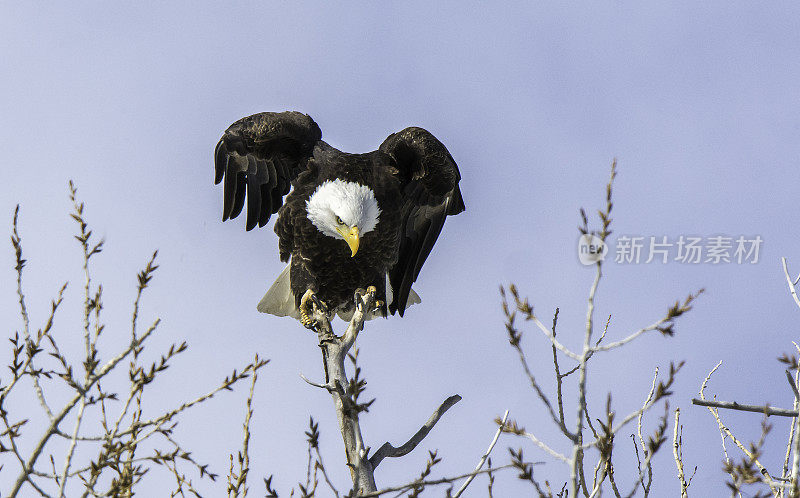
334, 352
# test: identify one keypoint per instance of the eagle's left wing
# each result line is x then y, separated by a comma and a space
429, 178
261, 154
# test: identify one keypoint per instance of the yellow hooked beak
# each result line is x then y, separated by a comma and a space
351, 237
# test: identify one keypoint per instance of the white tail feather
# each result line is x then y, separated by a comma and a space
413, 298
279, 300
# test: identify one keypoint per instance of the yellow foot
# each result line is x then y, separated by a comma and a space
307, 303
360, 294
371, 291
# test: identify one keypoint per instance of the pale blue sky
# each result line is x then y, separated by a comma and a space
698, 102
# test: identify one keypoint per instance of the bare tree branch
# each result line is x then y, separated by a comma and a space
726, 432
484, 457
443, 480
792, 427
733, 405
677, 452
387, 450
792, 289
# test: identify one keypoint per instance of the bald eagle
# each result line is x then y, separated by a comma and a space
350, 221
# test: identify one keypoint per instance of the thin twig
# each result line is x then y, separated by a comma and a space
792, 384
649, 468
559, 377
73, 443
549, 334
558, 419
546, 448
16, 241
315, 384
321, 466
244, 456
733, 405
54, 423
677, 452
632, 336
433, 482
576, 460
792, 289
484, 457
785, 474
724, 431
795, 479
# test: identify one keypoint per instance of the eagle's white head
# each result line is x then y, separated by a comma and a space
343, 210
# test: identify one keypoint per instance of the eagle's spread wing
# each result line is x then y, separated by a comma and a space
429, 177
262, 154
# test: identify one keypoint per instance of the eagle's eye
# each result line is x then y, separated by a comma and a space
339, 221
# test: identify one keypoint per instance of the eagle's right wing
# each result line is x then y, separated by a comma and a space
261, 154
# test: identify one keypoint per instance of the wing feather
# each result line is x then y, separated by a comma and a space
220, 155
258, 157
430, 177
255, 178
232, 191
239, 192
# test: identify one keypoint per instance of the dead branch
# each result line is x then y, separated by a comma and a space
733, 405
484, 457
726, 432
432, 482
387, 450
677, 452
345, 391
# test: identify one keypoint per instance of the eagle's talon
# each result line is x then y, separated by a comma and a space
358, 296
319, 304
308, 300
378, 304
306, 321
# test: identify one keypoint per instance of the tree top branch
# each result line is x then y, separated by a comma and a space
387, 450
